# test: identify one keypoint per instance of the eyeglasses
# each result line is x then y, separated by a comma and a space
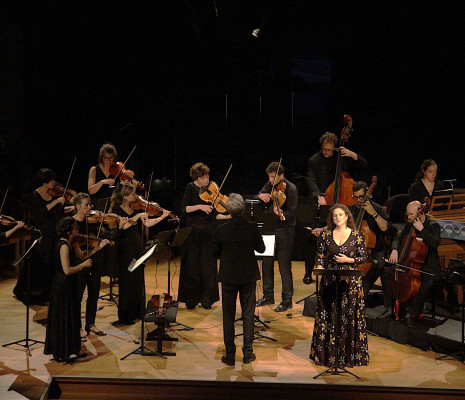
108, 158
410, 214
358, 197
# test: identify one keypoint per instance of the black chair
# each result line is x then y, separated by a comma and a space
159, 334
396, 210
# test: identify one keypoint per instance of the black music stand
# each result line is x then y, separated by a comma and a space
28, 342
142, 349
172, 239
337, 273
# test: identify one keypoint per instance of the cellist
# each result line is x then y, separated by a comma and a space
379, 224
429, 231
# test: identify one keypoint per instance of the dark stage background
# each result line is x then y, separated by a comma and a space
161, 74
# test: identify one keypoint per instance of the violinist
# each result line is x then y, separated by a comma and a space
46, 211
429, 231
378, 223
426, 182
131, 284
100, 179
5, 235
284, 238
321, 173
90, 277
198, 280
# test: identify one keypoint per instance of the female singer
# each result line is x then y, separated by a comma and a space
64, 312
89, 277
100, 179
426, 182
198, 281
45, 213
131, 284
340, 247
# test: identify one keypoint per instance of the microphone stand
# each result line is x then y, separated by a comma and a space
28, 342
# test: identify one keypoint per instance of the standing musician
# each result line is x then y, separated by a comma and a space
235, 242
198, 280
90, 277
284, 232
429, 231
100, 179
131, 284
46, 211
321, 173
378, 223
426, 182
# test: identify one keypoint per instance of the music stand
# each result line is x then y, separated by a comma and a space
142, 349
337, 273
172, 239
28, 342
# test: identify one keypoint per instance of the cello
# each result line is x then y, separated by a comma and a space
340, 191
362, 226
404, 286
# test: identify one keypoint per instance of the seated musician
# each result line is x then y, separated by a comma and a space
429, 231
379, 224
426, 182
321, 173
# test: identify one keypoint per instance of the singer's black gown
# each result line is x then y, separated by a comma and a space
62, 338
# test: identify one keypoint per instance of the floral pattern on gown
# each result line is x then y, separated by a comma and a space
352, 335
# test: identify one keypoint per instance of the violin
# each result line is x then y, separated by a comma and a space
362, 226
9, 222
125, 175
340, 191
211, 194
153, 208
278, 196
59, 191
405, 285
96, 217
91, 241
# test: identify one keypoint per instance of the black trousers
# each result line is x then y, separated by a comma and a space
283, 253
379, 270
90, 278
247, 299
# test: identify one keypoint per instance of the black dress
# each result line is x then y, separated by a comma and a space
418, 191
198, 280
64, 312
41, 264
105, 190
350, 311
131, 284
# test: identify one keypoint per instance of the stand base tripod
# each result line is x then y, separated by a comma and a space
336, 370
27, 345
110, 296
257, 335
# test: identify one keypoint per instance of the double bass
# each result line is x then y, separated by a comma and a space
406, 279
340, 191
362, 226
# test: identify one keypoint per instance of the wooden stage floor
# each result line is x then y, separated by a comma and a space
198, 352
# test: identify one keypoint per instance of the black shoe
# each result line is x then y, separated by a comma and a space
284, 306
264, 301
409, 320
248, 359
93, 329
190, 306
207, 306
308, 279
228, 361
81, 355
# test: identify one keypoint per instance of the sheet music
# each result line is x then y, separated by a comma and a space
269, 246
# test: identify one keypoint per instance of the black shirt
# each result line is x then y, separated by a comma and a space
418, 191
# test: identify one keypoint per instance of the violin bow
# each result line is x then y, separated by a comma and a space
103, 218
69, 177
127, 159
148, 193
222, 183
274, 180
4, 198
